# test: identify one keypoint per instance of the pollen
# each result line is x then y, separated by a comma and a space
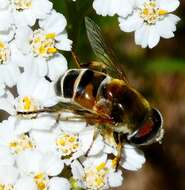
41, 180
67, 144
23, 142
151, 13
95, 178
163, 12
6, 187
52, 50
101, 166
42, 44
4, 53
50, 36
21, 5
27, 103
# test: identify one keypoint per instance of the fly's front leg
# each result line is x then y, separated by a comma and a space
119, 147
58, 118
114, 139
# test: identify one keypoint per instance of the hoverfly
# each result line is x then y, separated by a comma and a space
104, 97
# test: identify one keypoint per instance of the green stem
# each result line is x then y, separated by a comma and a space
76, 11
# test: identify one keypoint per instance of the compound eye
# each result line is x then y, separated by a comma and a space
151, 130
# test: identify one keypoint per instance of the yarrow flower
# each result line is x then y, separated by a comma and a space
42, 46
26, 12
151, 19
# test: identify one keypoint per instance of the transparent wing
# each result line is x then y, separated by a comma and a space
102, 51
80, 112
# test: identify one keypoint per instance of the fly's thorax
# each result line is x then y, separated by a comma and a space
125, 105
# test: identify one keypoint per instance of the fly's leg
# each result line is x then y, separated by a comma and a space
76, 59
116, 140
58, 118
119, 147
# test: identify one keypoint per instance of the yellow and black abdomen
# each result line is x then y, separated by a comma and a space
98, 92
80, 86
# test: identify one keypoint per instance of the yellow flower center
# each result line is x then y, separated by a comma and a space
43, 44
41, 180
23, 142
4, 53
27, 104
151, 13
95, 178
21, 5
67, 144
6, 187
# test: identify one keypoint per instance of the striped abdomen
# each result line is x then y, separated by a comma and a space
80, 86
98, 92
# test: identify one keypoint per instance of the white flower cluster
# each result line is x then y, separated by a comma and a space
149, 19
36, 151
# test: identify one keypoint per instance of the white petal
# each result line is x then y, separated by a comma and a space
7, 131
153, 38
7, 103
95, 160
10, 73
173, 18
169, 6
97, 146
86, 138
132, 158
131, 23
59, 183
46, 8
41, 66
44, 141
64, 44
6, 20
43, 91
71, 127
141, 36
139, 3
57, 66
127, 9
55, 22
25, 89
4, 4
77, 170
165, 29
8, 174
43, 122
51, 164
105, 8
23, 34
24, 18
25, 183
29, 161
115, 179
6, 158
18, 58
